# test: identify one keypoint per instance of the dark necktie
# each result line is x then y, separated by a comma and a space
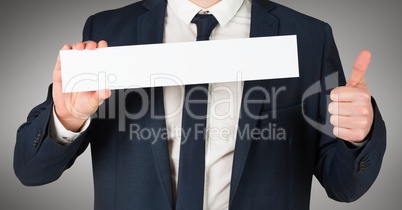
190, 189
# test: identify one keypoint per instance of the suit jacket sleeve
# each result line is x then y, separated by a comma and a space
38, 159
347, 172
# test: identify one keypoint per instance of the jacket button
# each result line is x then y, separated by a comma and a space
362, 165
37, 138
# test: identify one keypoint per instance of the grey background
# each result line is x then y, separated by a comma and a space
32, 32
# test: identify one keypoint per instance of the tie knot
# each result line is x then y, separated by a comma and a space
205, 25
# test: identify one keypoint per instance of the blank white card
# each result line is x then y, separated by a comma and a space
167, 64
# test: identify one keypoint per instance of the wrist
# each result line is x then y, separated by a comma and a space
73, 125
71, 122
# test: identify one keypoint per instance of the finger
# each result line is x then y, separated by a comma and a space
348, 109
352, 135
65, 47
336, 108
359, 68
102, 44
90, 45
78, 46
348, 94
98, 97
102, 94
349, 122
57, 68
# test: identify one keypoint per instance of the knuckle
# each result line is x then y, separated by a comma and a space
363, 123
332, 107
365, 111
364, 96
335, 131
334, 120
362, 110
359, 134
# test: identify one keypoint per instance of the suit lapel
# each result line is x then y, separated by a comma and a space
150, 30
151, 24
156, 123
262, 24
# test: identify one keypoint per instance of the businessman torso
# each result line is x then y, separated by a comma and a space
263, 164
277, 151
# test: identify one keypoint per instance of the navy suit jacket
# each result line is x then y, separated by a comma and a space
272, 169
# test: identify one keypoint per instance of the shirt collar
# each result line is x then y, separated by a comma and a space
223, 11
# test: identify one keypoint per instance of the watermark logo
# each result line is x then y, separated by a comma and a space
269, 97
331, 81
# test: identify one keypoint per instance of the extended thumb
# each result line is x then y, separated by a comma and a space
359, 68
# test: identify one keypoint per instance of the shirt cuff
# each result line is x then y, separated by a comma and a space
60, 134
358, 144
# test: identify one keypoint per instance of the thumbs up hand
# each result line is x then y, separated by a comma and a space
351, 109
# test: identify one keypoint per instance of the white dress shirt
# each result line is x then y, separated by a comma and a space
224, 99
